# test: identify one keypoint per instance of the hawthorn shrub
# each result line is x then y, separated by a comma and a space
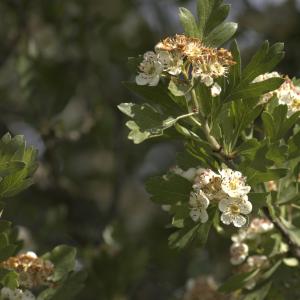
239, 172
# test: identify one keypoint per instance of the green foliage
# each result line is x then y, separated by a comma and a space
67, 282
169, 190
63, 257
19, 163
226, 122
212, 27
67, 289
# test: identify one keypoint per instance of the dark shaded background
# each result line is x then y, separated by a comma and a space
61, 67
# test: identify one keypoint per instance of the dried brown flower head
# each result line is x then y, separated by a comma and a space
33, 271
204, 288
212, 62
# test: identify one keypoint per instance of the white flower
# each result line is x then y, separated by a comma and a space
294, 105
287, 93
150, 70
266, 76
210, 183
266, 97
240, 236
199, 203
258, 226
16, 294
233, 183
204, 177
233, 210
171, 61
258, 261
238, 253
216, 90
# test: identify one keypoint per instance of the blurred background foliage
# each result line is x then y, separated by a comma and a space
61, 68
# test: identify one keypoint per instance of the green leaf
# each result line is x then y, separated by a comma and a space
260, 293
265, 60
276, 123
188, 22
9, 278
254, 90
211, 13
63, 258
182, 237
185, 160
293, 232
7, 251
65, 290
258, 200
278, 153
147, 122
10, 167
294, 146
235, 70
19, 162
158, 96
268, 123
219, 15
237, 281
178, 87
192, 232
169, 189
221, 34
255, 177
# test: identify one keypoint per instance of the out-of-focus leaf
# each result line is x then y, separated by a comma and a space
237, 282
260, 293
9, 278
65, 290
63, 258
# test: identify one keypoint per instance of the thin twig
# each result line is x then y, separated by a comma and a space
294, 248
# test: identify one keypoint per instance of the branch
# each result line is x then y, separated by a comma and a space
294, 248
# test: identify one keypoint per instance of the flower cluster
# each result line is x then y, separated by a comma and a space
239, 250
254, 262
16, 294
33, 271
227, 189
288, 93
180, 53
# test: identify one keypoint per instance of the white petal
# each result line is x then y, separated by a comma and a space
141, 79
154, 80
189, 174
216, 90
250, 285
203, 216
207, 80
204, 200
224, 204
195, 214
226, 218
150, 55
245, 207
239, 220
237, 260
